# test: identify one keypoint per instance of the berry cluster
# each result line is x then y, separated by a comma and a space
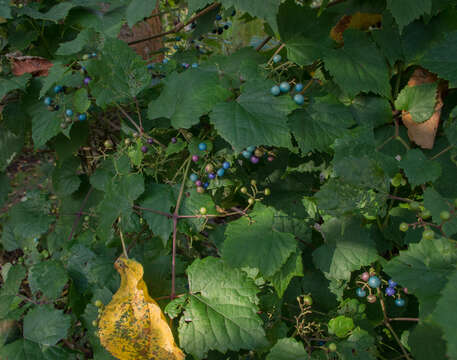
285, 87
255, 154
370, 281
254, 193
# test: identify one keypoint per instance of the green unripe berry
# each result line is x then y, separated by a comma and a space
445, 215
86, 218
253, 182
251, 201
307, 300
403, 182
426, 214
98, 303
244, 190
414, 205
404, 227
94, 323
203, 210
428, 234
332, 347
396, 182
267, 192
127, 142
108, 144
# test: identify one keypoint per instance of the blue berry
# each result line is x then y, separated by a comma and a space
82, 117
202, 146
284, 87
47, 101
360, 292
94, 54
220, 172
225, 165
251, 148
400, 302
247, 154
211, 176
195, 65
150, 66
206, 184
277, 58
165, 61
178, 38
390, 291
374, 282
58, 89
299, 87
218, 17
299, 99
392, 283
193, 177
275, 90
69, 112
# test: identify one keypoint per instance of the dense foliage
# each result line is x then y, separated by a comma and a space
292, 198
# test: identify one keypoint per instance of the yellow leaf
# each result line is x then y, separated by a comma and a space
132, 326
360, 21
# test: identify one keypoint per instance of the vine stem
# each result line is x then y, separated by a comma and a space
168, 215
263, 43
404, 319
175, 229
130, 119
399, 198
278, 50
442, 152
387, 324
79, 214
179, 26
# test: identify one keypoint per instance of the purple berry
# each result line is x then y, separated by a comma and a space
254, 159
195, 158
150, 141
390, 291
87, 80
212, 176
198, 183
174, 140
392, 283
144, 149
365, 276
405, 290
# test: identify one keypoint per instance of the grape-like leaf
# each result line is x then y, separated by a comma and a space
419, 169
423, 269
419, 101
405, 11
288, 349
222, 311
139, 9
13, 83
49, 277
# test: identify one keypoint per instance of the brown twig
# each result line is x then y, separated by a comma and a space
168, 215
263, 43
179, 26
404, 319
139, 129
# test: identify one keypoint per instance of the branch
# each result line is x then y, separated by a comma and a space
179, 26
168, 215
140, 130
404, 319
263, 43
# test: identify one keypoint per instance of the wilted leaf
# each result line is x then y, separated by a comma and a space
35, 65
358, 21
132, 326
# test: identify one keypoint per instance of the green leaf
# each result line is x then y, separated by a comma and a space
4, 188
191, 205
318, 125
358, 66
419, 101
158, 197
49, 277
255, 243
441, 59
423, 269
175, 148
13, 83
10, 145
255, 118
138, 10
65, 179
45, 125
359, 346
445, 315
426, 342
10, 288
288, 349
372, 111
293, 267
419, 169
340, 326
120, 74
187, 96
435, 203
46, 325
405, 11
222, 312
81, 100
55, 75
56, 13
85, 37
347, 247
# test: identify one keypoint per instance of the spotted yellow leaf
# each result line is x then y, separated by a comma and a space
132, 326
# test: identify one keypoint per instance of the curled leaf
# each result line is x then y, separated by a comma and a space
132, 326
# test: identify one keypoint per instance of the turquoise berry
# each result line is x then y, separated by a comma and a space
94, 54
220, 172
193, 177
82, 117
299, 87
277, 58
400, 302
165, 61
247, 154
374, 282
275, 90
69, 112
284, 87
47, 101
202, 146
299, 99
251, 148
360, 292
225, 165
195, 65
58, 89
